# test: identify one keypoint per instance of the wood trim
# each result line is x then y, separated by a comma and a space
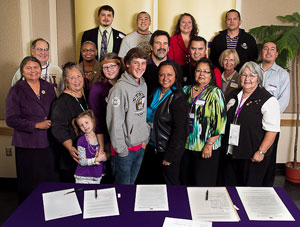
6, 131
289, 123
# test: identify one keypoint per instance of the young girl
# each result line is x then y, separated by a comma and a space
89, 171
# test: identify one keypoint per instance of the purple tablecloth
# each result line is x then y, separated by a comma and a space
31, 211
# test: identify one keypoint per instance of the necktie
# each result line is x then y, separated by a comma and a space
103, 45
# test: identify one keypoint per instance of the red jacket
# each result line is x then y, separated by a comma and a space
178, 51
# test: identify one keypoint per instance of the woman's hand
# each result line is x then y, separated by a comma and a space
207, 151
43, 124
257, 157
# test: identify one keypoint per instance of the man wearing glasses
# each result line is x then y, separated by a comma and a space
50, 72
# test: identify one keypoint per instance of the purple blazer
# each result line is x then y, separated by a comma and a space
24, 110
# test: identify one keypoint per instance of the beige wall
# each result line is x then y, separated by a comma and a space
15, 40
10, 46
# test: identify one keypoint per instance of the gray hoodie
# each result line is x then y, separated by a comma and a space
126, 114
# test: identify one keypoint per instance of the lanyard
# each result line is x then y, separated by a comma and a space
46, 74
240, 107
198, 97
80, 103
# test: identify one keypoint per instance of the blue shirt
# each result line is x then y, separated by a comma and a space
276, 81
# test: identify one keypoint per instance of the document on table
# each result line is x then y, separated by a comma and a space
58, 204
151, 198
103, 205
177, 222
263, 203
211, 204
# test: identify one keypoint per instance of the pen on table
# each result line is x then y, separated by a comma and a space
206, 195
96, 194
76, 190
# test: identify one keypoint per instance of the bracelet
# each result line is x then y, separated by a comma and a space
261, 152
209, 142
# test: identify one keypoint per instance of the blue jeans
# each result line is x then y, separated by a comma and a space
127, 168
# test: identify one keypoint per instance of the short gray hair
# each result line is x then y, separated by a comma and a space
255, 69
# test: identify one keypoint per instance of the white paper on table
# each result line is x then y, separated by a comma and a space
218, 207
58, 204
263, 203
104, 205
151, 198
177, 222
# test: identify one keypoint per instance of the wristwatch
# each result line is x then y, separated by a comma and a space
261, 152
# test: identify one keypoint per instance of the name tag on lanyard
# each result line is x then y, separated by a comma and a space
234, 131
234, 134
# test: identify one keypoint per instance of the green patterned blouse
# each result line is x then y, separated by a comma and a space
209, 117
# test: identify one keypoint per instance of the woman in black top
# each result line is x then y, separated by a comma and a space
168, 117
69, 104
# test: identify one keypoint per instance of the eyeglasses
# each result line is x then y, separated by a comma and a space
206, 72
251, 76
42, 49
88, 50
228, 60
109, 67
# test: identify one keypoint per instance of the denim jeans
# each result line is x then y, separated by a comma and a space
127, 168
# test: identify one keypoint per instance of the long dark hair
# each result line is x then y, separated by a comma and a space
195, 29
177, 83
211, 68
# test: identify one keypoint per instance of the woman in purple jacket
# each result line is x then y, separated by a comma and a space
27, 112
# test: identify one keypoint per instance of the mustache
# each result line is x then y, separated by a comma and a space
161, 49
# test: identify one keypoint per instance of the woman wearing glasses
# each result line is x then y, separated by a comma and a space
111, 69
229, 59
253, 122
207, 120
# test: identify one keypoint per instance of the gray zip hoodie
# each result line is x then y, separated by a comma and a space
126, 114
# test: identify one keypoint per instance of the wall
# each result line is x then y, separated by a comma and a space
54, 20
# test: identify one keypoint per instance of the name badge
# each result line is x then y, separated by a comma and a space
271, 87
234, 134
234, 85
200, 102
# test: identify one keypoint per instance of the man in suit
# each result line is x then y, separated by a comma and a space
105, 37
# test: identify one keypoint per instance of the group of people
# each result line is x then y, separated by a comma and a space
149, 108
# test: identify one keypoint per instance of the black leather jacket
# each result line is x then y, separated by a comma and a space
171, 125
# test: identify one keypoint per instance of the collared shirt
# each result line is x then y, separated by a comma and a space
110, 40
276, 81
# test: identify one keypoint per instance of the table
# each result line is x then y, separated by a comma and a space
31, 211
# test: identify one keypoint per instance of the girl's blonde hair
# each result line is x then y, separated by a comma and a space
75, 125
